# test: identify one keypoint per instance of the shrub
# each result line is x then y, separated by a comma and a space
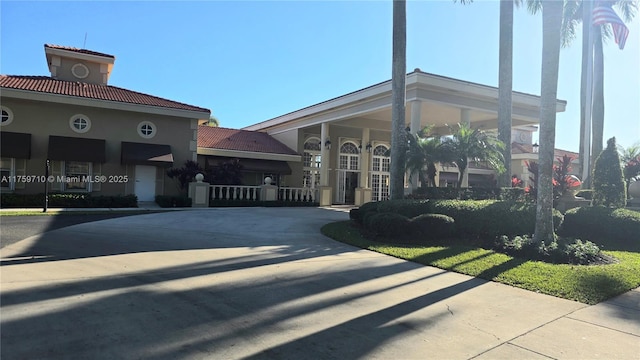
475, 193
354, 215
608, 181
613, 229
582, 252
432, 226
408, 208
388, 225
358, 216
166, 201
489, 218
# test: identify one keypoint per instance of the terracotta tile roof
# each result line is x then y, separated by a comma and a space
517, 148
240, 140
45, 84
81, 51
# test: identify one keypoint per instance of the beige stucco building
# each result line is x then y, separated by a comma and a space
344, 141
98, 138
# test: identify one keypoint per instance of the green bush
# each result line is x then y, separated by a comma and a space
582, 252
359, 213
432, 226
167, 201
608, 181
68, 200
354, 214
475, 193
565, 251
388, 225
406, 207
613, 229
489, 219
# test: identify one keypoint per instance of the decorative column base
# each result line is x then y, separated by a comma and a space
325, 195
199, 192
363, 196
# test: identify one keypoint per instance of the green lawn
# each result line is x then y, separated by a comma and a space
586, 284
37, 212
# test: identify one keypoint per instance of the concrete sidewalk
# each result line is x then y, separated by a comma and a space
264, 283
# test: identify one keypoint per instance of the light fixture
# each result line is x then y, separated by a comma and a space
535, 148
327, 144
368, 147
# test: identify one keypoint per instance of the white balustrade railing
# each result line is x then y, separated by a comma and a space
297, 194
235, 192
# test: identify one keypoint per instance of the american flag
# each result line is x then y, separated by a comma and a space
603, 14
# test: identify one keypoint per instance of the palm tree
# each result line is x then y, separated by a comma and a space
398, 133
213, 121
505, 84
476, 145
577, 11
552, 11
424, 152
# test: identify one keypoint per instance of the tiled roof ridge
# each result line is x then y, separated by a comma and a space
180, 105
81, 51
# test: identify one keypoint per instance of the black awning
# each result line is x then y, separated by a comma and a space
146, 154
77, 149
254, 165
15, 145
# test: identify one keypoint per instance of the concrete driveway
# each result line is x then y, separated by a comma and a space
264, 283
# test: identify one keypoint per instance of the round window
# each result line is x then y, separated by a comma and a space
80, 71
80, 123
7, 116
146, 129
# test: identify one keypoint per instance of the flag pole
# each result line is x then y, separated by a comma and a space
586, 170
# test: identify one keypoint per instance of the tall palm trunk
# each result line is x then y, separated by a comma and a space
505, 86
583, 157
399, 66
551, 26
597, 124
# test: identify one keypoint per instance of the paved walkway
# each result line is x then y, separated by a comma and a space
264, 283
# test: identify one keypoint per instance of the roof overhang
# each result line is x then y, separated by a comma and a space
248, 154
434, 92
105, 104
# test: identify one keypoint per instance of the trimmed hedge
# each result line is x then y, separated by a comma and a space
167, 201
612, 229
485, 219
475, 193
388, 225
68, 200
433, 226
490, 219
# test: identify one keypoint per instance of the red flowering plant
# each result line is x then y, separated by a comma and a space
562, 180
631, 169
515, 182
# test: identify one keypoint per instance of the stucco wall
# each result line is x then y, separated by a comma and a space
42, 119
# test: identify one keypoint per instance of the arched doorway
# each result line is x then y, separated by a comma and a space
348, 172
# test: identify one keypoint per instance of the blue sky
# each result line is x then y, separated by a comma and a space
252, 61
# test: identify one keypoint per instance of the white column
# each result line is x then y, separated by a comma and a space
364, 159
416, 109
464, 117
324, 152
